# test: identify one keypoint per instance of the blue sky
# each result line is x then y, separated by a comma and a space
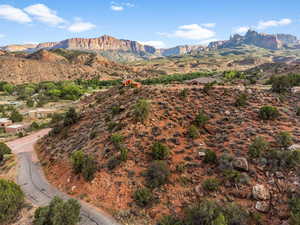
163, 23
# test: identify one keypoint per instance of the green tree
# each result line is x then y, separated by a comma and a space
58, 212
11, 200
71, 117
8, 88
268, 113
15, 116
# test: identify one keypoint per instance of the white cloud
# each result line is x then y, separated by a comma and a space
2, 36
9, 12
209, 25
192, 32
80, 26
117, 8
156, 44
241, 30
44, 14
273, 23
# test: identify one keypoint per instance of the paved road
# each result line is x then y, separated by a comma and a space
37, 189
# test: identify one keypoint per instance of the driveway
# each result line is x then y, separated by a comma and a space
35, 186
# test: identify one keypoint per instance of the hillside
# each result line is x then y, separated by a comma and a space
108, 125
56, 65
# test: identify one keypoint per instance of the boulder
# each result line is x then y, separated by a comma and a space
294, 147
260, 192
240, 163
262, 206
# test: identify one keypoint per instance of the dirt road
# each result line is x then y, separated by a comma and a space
35, 186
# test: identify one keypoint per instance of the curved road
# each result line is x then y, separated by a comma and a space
35, 186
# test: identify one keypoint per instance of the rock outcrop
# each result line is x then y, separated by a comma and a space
261, 40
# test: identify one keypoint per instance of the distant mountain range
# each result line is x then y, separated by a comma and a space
122, 50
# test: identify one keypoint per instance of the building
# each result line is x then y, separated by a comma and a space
4, 122
40, 113
16, 128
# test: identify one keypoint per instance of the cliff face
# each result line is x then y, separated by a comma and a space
182, 50
267, 41
105, 43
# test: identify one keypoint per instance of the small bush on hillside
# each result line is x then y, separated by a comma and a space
30, 103
117, 140
115, 110
11, 200
84, 164
268, 113
58, 212
258, 147
15, 116
184, 93
225, 162
123, 154
210, 157
208, 212
235, 176
284, 139
294, 205
71, 117
241, 100
160, 151
278, 159
201, 119
158, 174
169, 220
282, 84
143, 197
193, 132
211, 184
141, 110
298, 111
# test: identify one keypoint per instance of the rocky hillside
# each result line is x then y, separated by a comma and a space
60, 64
204, 140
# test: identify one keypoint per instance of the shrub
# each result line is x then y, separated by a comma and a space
294, 205
282, 84
278, 159
158, 174
193, 132
58, 212
89, 168
298, 111
4, 148
183, 93
211, 184
141, 110
77, 161
233, 176
241, 100
115, 110
201, 119
210, 212
169, 220
123, 154
30, 103
117, 140
210, 157
160, 151
71, 117
258, 147
268, 113
11, 200
143, 197
84, 164
284, 139
15, 116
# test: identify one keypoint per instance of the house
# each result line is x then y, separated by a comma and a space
40, 113
16, 128
4, 122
